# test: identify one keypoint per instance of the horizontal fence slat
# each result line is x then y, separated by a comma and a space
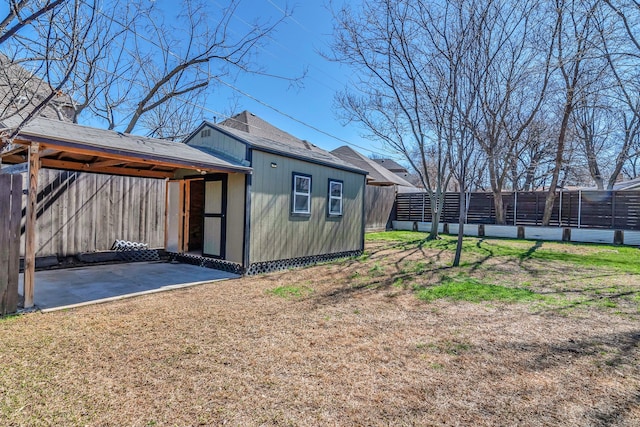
610, 210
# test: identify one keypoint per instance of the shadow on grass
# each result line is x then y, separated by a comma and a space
610, 352
475, 265
397, 268
530, 252
615, 350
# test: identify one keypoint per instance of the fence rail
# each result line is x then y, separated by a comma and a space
579, 209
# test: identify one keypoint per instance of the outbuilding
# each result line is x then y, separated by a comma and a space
242, 195
299, 205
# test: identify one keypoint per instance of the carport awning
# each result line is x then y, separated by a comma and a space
61, 145
69, 146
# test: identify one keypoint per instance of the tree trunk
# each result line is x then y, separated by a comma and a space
551, 195
496, 189
437, 204
499, 207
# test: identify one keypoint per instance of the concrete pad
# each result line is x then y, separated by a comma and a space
73, 287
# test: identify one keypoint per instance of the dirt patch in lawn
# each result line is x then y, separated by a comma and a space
346, 343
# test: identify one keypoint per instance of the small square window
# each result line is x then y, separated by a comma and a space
335, 198
301, 194
205, 133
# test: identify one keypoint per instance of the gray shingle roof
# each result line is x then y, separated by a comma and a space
391, 165
378, 174
262, 135
21, 92
631, 184
117, 143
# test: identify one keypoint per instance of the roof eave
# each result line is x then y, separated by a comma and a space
178, 163
286, 154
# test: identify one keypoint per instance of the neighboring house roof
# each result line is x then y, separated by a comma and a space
21, 92
378, 175
106, 143
391, 165
632, 184
259, 134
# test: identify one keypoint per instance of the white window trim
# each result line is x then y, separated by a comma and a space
299, 193
331, 197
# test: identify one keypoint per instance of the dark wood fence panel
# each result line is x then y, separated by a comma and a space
83, 212
589, 209
10, 205
378, 205
626, 204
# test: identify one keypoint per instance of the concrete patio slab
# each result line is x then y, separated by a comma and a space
73, 287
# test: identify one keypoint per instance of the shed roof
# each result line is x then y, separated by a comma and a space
262, 135
378, 174
75, 147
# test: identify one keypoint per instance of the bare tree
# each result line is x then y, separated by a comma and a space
124, 62
105, 73
189, 64
512, 75
415, 89
574, 43
24, 13
622, 55
40, 39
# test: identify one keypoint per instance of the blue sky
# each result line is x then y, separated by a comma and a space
293, 49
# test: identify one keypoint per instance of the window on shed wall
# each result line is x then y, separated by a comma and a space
205, 133
301, 194
335, 197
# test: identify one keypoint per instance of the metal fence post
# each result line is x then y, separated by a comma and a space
579, 208
613, 209
515, 208
560, 210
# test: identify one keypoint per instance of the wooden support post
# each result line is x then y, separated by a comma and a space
181, 217
186, 213
30, 225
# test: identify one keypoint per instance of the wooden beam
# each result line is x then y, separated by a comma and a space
15, 158
126, 158
30, 226
106, 163
84, 167
47, 153
12, 148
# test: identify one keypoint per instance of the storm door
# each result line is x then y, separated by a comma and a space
215, 211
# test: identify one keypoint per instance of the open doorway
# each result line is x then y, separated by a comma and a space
195, 224
196, 217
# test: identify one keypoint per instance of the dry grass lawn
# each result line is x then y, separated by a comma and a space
341, 344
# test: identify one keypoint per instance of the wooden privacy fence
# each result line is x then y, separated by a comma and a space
80, 212
378, 206
10, 216
580, 209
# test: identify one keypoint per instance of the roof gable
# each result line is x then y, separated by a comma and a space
259, 134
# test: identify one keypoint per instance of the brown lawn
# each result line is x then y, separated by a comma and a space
351, 349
